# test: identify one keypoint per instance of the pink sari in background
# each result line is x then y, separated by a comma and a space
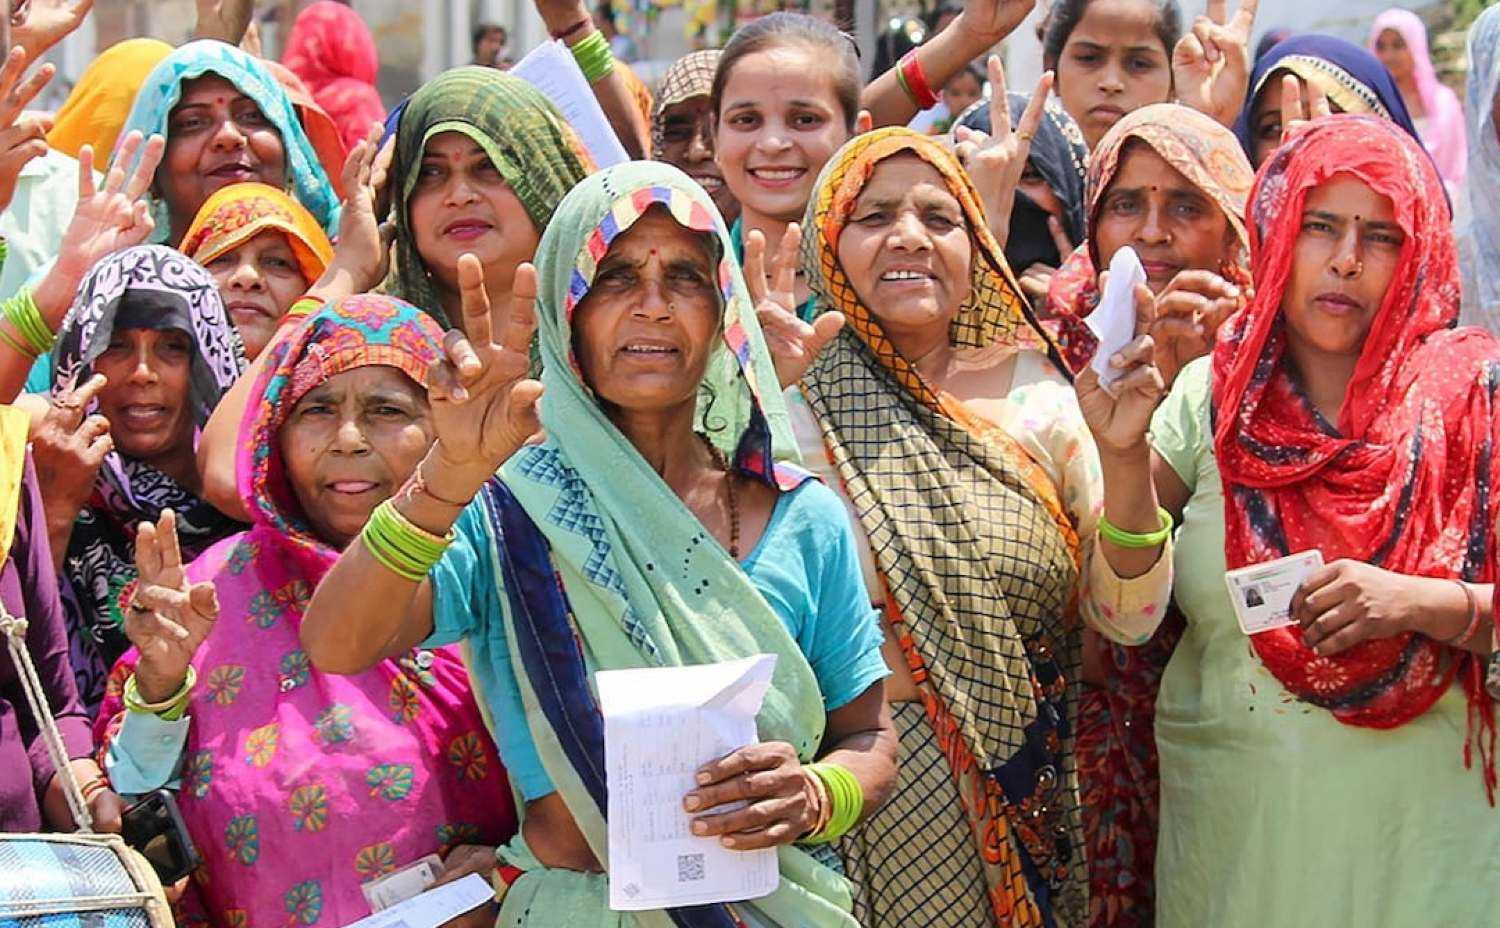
297, 785
1442, 128
330, 47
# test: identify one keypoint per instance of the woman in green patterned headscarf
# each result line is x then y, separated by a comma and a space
652, 527
482, 160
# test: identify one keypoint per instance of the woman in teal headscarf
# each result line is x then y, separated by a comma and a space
655, 525
226, 120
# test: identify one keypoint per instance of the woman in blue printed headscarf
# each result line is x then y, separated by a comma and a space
227, 121
1353, 80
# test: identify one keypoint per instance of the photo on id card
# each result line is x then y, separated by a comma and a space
1262, 593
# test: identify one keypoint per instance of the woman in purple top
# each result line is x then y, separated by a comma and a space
31, 796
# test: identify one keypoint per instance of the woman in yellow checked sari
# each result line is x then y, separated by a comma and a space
944, 413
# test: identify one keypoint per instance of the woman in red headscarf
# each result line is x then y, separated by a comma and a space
1341, 412
332, 50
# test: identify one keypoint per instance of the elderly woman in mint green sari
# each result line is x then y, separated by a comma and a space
652, 526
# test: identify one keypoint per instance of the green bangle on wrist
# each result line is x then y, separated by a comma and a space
594, 57
399, 545
846, 797
25, 317
1123, 539
171, 709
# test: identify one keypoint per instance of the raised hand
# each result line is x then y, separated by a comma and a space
68, 448
993, 20
995, 162
225, 20
37, 25
1300, 104
116, 216
1187, 316
21, 138
362, 255
1119, 415
1211, 63
794, 344
167, 618
484, 408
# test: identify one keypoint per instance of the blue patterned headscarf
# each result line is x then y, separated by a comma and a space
1353, 79
1479, 240
163, 89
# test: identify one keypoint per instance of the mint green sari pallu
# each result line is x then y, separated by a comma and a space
603, 567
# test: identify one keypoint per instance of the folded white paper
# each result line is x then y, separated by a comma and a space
551, 69
1113, 320
433, 907
660, 725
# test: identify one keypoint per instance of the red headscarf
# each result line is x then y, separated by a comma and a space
331, 48
1408, 480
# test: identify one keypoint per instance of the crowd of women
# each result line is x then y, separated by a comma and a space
345, 447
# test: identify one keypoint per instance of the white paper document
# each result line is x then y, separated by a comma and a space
1113, 320
433, 907
1262, 593
551, 69
660, 725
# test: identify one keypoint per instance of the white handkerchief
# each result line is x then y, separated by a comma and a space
1113, 320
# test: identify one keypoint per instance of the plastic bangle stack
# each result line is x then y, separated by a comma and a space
301, 309
1123, 539
594, 57
25, 317
913, 80
400, 546
170, 709
846, 800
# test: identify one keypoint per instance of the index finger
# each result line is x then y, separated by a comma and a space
16, 103
476, 300
520, 323
1291, 101
755, 265
1205, 283
754, 757
85, 394
999, 105
1218, 11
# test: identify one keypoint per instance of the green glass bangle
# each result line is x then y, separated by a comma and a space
401, 546
171, 709
22, 313
594, 57
906, 88
16, 346
1123, 539
846, 797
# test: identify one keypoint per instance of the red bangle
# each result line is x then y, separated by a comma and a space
916, 81
563, 36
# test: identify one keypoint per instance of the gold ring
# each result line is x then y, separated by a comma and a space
1023, 135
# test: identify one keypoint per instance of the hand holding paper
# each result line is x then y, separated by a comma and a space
661, 725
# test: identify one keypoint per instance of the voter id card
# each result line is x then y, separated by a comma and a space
1262, 593
384, 892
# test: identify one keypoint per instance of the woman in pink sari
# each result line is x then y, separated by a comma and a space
1399, 39
299, 786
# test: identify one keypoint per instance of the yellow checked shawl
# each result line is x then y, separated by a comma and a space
980, 561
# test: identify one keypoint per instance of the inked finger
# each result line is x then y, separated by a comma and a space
461, 354
1291, 103
443, 384
85, 394
22, 96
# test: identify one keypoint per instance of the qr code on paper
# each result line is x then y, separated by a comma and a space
689, 868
